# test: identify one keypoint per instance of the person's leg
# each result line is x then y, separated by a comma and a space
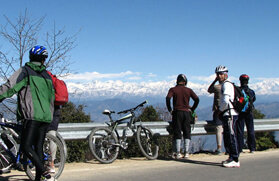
233, 145
219, 137
219, 132
186, 132
249, 121
240, 132
230, 136
38, 145
177, 131
226, 134
29, 139
53, 149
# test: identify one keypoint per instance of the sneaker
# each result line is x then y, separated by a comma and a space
227, 161
232, 164
179, 156
51, 169
46, 175
173, 156
186, 155
218, 152
252, 151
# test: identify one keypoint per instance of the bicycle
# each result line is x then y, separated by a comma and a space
105, 142
15, 158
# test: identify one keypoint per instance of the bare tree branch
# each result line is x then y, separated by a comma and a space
22, 34
59, 49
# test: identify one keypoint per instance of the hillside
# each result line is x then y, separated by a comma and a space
95, 107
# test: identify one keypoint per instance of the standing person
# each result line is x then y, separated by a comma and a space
35, 97
246, 115
181, 113
229, 118
216, 89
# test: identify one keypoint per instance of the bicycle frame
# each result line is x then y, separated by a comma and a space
14, 128
130, 125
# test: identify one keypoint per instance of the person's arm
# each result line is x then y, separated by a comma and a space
13, 85
225, 99
196, 103
195, 99
168, 98
211, 88
168, 104
224, 102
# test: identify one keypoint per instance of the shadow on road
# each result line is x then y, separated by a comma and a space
13, 177
193, 161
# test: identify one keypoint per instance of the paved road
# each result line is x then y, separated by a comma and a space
259, 166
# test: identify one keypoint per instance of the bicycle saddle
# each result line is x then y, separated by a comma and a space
107, 112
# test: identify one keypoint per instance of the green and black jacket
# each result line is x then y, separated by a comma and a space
35, 93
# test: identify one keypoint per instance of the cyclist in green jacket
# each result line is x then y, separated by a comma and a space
35, 102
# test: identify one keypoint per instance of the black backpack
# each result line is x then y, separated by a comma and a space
240, 98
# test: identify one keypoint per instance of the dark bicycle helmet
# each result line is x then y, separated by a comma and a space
221, 68
244, 77
181, 78
38, 53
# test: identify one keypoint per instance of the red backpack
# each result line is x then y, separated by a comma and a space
61, 91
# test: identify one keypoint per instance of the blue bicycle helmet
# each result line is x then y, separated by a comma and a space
38, 53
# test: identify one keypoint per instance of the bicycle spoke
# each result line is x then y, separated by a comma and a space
102, 143
147, 144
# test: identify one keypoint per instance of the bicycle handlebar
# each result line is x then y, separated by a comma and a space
132, 109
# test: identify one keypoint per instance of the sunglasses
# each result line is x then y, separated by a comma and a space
221, 73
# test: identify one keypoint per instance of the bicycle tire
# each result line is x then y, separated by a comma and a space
60, 158
147, 143
58, 135
102, 144
6, 160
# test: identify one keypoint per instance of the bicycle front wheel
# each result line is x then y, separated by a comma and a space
103, 144
147, 143
57, 158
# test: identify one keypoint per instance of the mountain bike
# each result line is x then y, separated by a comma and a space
15, 159
105, 142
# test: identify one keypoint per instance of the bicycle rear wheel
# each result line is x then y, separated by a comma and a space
103, 145
59, 159
6, 160
147, 143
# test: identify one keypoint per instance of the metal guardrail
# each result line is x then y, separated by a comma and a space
80, 131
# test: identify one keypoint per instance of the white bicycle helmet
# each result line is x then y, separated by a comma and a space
221, 68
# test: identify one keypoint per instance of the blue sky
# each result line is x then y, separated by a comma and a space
155, 40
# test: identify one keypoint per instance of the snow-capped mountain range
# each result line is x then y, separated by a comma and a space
118, 89
118, 95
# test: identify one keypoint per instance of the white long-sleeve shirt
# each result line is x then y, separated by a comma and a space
227, 95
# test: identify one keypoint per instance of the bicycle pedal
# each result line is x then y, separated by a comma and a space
125, 146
